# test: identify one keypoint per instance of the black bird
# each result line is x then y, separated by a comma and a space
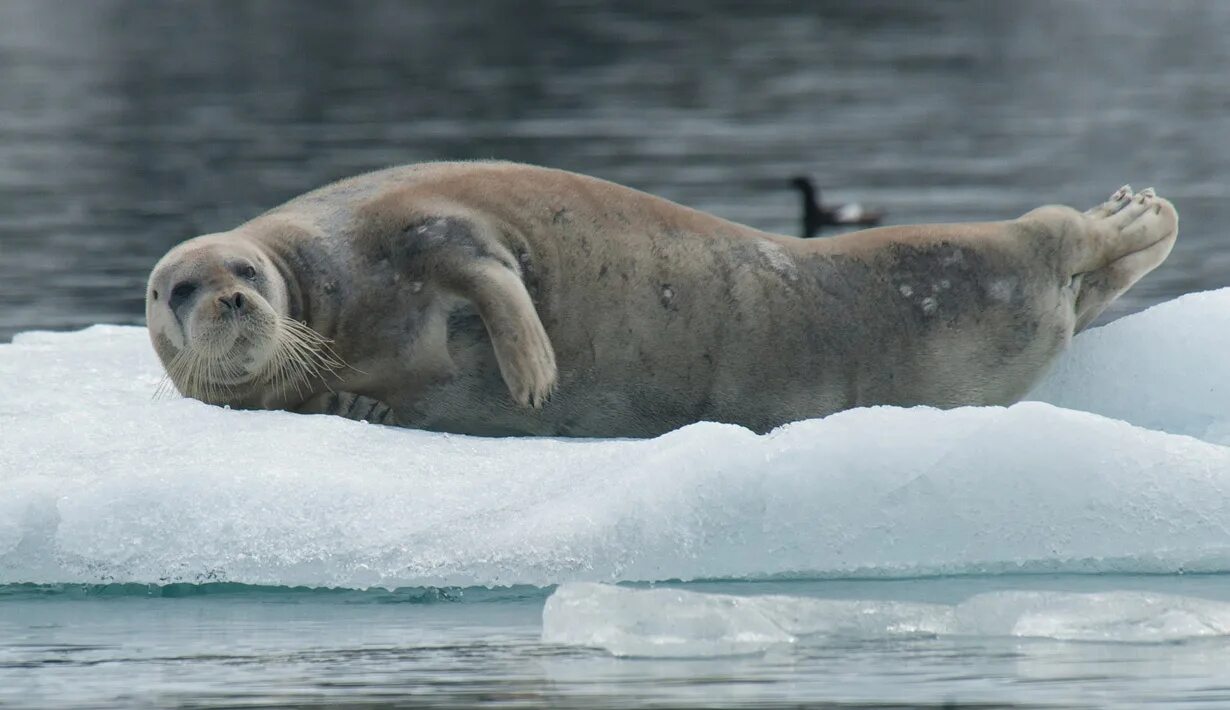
817, 217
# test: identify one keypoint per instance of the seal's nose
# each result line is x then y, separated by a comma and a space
233, 303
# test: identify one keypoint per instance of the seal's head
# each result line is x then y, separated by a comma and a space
217, 312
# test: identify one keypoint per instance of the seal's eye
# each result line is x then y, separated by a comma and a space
247, 271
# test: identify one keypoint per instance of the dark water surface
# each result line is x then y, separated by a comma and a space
235, 646
128, 126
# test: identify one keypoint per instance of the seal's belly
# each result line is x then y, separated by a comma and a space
937, 328
658, 323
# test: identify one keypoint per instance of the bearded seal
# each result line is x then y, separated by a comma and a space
506, 299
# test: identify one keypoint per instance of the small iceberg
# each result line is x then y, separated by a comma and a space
662, 623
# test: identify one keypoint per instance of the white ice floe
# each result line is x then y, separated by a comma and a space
101, 482
1167, 368
681, 623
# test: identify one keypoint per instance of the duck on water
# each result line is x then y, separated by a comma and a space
817, 216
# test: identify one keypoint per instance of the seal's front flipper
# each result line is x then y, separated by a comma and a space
464, 256
522, 347
351, 406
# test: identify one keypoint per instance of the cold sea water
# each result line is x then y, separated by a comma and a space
1070, 551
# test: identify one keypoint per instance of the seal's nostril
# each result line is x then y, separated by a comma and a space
234, 302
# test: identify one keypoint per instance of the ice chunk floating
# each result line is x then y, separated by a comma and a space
99, 482
676, 622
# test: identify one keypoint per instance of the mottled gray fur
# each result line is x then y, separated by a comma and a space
495, 298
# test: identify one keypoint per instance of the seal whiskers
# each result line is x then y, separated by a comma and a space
301, 355
200, 373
